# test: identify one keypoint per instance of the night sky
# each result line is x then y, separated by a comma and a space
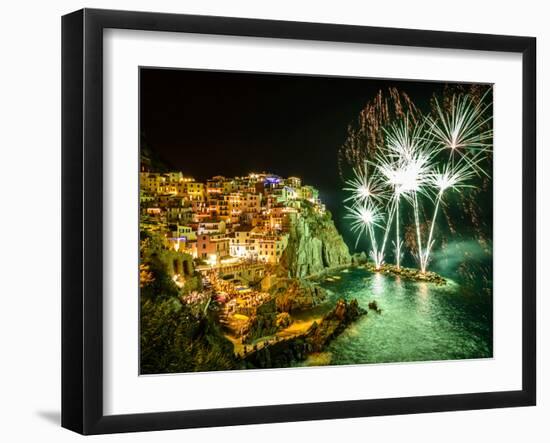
208, 123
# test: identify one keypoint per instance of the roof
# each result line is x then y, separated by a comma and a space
245, 228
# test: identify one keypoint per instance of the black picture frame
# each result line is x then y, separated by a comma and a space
82, 231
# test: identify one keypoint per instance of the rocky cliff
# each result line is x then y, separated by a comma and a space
288, 352
314, 245
293, 294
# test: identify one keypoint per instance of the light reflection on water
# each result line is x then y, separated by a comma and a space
419, 321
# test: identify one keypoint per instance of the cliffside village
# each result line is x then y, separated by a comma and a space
225, 220
234, 228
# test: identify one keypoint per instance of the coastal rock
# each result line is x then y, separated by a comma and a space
286, 353
314, 245
373, 306
359, 258
263, 323
283, 320
409, 273
293, 294
334, 324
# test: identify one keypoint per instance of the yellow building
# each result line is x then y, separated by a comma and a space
173, 177
184, 231
294, 182
179, 213
151, 181
211, 227
242, 245
196, 191
252, 202
168, 188
191, 190
271, 247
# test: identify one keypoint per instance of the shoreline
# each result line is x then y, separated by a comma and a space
290, 350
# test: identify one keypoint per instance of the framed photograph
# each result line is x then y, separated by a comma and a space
269, 221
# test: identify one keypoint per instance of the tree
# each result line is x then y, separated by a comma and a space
173, 340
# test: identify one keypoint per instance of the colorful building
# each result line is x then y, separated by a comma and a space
212, 247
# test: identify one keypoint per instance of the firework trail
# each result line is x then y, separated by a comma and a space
406, 163
449, 177
412, 156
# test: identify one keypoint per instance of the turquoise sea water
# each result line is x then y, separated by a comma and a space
419, 321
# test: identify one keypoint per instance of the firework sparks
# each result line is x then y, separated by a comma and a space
464, 130
410, 163
364, 187
406, 167
364, 218
450, 177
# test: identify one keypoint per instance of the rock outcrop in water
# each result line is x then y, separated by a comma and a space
408, 273
334, 323
314, 245
359, 258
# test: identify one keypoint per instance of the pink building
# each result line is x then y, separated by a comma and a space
212, 247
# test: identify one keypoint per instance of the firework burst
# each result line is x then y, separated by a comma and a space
419, 160
406, 165
364, 187
365, 217
448, 177
464, 130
